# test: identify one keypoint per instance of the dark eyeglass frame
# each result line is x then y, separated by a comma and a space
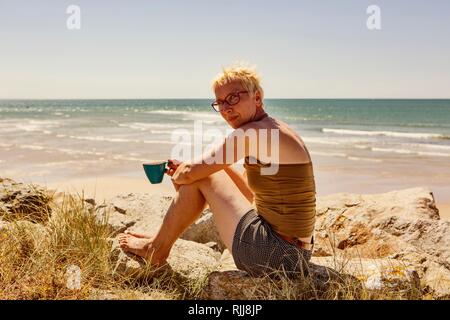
216, 104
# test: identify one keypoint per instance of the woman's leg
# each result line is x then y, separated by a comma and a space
225, 200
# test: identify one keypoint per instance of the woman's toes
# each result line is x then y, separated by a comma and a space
123, 244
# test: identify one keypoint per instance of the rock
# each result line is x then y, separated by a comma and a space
383, 224
188, 259
372, 275
19, 201
116, 221
437, 280
403, 225
193, 260
126, 264
226, 261
213, 245
231, 285
99, 294
238, 285
90, 201
204, 230
37, 230
375, 274
4, 227
23, 237
142, 213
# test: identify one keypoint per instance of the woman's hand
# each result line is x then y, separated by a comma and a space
182, 174
172, 167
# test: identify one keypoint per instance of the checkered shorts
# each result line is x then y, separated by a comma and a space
259, 250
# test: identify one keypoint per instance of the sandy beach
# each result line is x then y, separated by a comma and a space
444, 210
105, 188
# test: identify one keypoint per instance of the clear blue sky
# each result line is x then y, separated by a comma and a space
172, 49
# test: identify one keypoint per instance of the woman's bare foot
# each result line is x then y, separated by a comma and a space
138, 235
142, 247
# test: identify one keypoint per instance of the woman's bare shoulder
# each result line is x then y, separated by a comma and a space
292, 146
266, 123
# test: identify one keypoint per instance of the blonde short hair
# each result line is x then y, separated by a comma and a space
241, 72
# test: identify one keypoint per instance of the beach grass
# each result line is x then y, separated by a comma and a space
36, 257
338, 286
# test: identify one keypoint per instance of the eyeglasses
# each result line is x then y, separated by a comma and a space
231, 100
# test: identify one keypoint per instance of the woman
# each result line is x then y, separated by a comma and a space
278, 234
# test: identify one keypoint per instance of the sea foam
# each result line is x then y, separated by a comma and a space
412, 135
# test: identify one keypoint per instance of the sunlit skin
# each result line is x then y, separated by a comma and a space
247, 110
220, 186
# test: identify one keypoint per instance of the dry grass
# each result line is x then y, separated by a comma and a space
343, 280
35, 255
335, 286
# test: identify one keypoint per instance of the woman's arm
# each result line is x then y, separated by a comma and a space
241, 182
187, 173
233, 149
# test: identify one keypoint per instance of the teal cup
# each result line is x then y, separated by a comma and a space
155, 171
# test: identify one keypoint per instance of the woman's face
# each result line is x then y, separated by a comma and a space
242, 112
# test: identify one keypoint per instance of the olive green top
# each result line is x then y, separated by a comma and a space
286, 200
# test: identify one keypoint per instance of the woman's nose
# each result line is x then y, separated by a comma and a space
226, 108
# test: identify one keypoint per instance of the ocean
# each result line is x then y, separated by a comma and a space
53, 140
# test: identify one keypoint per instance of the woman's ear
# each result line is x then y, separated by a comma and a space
258, 98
